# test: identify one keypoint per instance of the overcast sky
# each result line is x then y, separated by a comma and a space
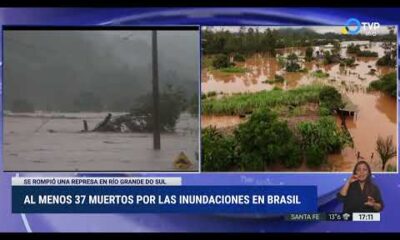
48, 67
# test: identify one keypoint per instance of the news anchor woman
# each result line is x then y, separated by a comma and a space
360, 194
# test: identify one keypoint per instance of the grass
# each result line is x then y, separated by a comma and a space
320, 74
212, 94
387, 83
248, 102
277, 79
233, 69
304, 70
206, 62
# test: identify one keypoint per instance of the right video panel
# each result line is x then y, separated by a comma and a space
298, 99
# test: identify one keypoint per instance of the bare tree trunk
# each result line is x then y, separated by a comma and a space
85, 126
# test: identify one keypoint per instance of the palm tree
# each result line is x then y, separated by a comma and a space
386, 149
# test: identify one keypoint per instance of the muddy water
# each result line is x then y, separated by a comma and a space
376, 117
29, 145
259, 69
377, 111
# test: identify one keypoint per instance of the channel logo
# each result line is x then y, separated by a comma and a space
352, 26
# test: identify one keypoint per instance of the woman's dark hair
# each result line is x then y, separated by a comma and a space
368, 182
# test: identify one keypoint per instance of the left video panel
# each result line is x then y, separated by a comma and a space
86, 99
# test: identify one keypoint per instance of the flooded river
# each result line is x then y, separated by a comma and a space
377, 112
52, 142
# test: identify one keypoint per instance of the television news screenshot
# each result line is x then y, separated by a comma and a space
216, 119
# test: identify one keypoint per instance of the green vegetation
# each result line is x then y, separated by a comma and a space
233, 69
218, 150
212, 94
323, 111
387, 83
249, 40
386, 149
309, 54
239, 58
292, 63
355, 49
281, 61
248, 102
324, 134
221, 61
320, 74
206, 62
367, 53
265, 140
336, 48
172, 103
348, 62
277, 79
387, 60
330, 98
331, 58
321, 138
315, 156
246, 42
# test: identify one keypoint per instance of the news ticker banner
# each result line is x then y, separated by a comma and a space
154, 195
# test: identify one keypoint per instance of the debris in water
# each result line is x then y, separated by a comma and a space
182, 161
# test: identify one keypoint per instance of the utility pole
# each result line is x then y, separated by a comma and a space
156, 98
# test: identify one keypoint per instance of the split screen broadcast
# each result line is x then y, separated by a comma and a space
199, 99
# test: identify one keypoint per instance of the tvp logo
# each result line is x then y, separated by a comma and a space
353, 26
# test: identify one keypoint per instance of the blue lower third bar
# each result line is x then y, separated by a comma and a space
164, 199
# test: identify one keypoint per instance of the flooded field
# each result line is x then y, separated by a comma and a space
261, 68
53, 142
377, 112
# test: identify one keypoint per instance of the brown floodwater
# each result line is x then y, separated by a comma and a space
377, 112
261, 68
376, 117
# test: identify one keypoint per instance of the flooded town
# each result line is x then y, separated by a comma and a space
99, 100
301, 59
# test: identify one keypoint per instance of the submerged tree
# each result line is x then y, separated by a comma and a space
172, 103
330, 98
387, 83
386, 149
309, 54
292, 63
221, 61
